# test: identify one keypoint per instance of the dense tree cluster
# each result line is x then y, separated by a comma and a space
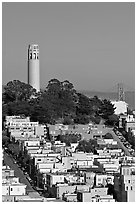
87, 146
108, 136
69, 138
58, 102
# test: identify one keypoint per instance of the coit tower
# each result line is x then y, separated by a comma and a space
33, 66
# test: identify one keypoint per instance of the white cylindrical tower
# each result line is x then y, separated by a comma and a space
33, 67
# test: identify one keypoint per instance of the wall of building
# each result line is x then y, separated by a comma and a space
17, 189
84, 196
33, 73
89, 178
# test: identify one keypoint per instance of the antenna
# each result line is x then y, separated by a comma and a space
121, 94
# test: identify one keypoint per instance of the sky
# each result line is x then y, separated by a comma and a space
90, 44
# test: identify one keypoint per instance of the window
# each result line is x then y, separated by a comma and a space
11, 189
128, 181
131, 188
127, 188
34, 55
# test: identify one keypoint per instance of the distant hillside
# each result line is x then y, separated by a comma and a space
129, 96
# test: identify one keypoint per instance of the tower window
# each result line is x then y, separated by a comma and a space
34, 55
30, 55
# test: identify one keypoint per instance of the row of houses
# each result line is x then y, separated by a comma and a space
74, 176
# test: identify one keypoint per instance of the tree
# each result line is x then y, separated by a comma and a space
62, 98
18, 108
17, 91
14, 148
95, 119
58, 102
106, 109
108, 136
69, 138
42, 109
83, 104
95, 104
5, 140
82, 119
113, 120
87, 146
68, 120
68, 99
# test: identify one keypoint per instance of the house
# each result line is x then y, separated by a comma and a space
10, 179
104, 179
130, 123
128, 188
84, 196
22, 198
66, 162
127, 122
49, 159
85, 163
94, 195
40, 130
6, 171
63, 188
89, 178
8, 198
45, 167
10, 119
110, 165
13, 188
53, 179
124, 183
32, 143
69, 197
127, 169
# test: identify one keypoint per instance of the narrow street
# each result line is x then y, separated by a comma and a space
17, 171
115, 137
